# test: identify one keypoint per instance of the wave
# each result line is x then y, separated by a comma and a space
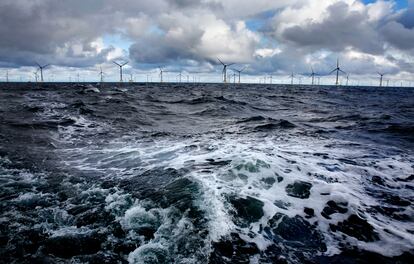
179, 174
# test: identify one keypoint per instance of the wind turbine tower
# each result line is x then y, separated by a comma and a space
41, 70
225, 70
337, 69
347, 79
7, 76
291, 78
120, 68
381, 76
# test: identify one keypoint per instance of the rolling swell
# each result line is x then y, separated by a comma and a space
205, 174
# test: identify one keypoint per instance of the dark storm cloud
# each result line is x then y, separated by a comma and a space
398, 35
407, 17
156, 49
49, 29
340, 29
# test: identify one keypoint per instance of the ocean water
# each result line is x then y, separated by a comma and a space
206, 173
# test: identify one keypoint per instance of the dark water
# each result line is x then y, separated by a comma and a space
205, 173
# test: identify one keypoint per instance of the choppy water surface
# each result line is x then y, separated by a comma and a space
206, 174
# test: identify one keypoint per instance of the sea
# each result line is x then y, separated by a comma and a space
206, 173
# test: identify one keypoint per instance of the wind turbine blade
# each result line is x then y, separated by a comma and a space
231, 64
38, 65
117, 63
342, 71
45, 65
125, 63
332, 71
221, 61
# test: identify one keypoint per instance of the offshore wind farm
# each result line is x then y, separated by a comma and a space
207, 132
335, 77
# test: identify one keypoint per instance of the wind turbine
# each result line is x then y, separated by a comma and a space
381, 75
347, 79
7, 76
36, 74
179, 76
161, 72
225, 70
239, 72
291, 78
313, 76
41, 70
337, 69
120, 68
101, 73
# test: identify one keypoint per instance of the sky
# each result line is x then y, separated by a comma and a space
268, 37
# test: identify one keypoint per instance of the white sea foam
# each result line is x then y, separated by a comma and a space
251, 161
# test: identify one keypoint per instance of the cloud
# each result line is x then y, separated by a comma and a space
46, 30
201, 37
271, 36
341, 27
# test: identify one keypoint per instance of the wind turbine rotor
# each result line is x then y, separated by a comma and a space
221, 62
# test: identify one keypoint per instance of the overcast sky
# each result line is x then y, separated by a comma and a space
269, 36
